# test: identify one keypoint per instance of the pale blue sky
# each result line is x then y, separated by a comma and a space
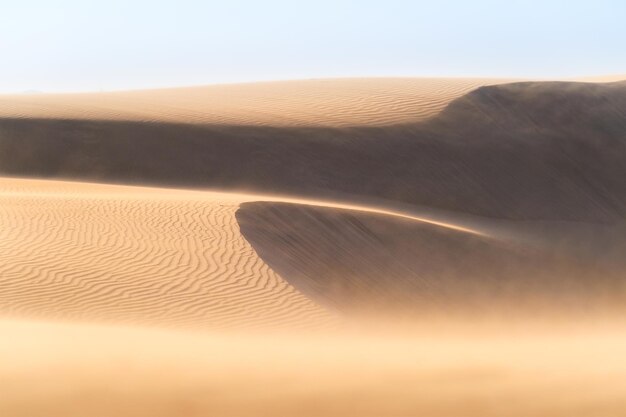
81, 45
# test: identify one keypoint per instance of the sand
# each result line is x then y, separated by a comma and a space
372, 263
315, 248
73, 370
317, 102
134, 255
136, 301
138, 255
523, 151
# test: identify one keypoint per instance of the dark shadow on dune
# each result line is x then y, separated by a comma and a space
356, 261
551, 151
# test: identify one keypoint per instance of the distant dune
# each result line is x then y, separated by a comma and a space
526, 151
270, 230
321, 102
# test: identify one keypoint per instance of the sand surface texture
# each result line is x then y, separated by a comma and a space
133, 255
321, 102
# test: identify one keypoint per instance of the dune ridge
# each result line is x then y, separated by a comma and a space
521, 151
321, 102
316, 102
204, 259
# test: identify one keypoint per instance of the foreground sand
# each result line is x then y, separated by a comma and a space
71, 370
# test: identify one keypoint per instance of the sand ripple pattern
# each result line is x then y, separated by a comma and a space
134, 255
321, 102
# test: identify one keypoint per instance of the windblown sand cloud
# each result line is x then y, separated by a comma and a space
72, 370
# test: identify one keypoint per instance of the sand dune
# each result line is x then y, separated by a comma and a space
326, 205
138, 255
323, 102
130, 255
359, 262
525, 151
76, 255
533, 169
196, 259
315, 102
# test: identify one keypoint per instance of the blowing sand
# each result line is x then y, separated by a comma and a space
70, 370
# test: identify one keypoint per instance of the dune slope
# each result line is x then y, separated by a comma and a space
314, 103
139, 256
526, 151
364, 262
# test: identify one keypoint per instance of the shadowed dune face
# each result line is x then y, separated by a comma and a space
534, 151
357, 261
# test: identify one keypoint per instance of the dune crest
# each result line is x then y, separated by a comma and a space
521, 151
321, 102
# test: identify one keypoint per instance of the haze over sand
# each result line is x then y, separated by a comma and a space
323, 248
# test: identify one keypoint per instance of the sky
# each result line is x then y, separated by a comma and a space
89, 45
